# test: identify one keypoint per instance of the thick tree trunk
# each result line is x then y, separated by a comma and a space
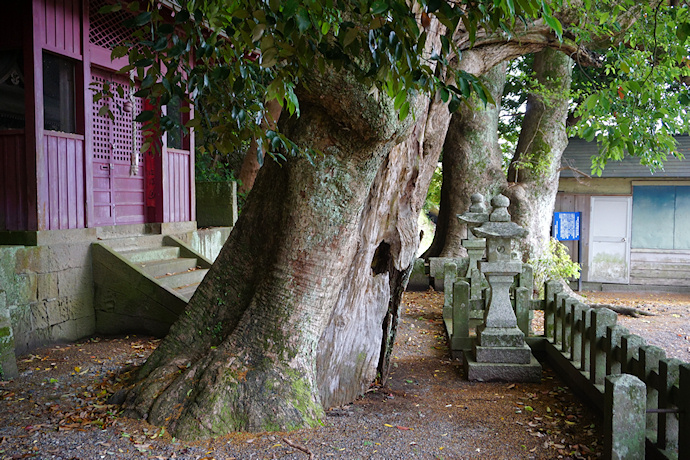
359, 338
471, 163
243, 355
534, 171
250, 163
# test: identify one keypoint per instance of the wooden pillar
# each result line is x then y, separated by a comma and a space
33, 84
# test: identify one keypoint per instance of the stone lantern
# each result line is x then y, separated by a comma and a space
500, 351
473, 218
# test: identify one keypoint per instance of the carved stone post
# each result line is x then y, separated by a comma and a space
473, 218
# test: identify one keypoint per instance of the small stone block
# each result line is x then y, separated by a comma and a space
436, 268
500, 337
477, 243
8, 362
502, 372
419, 279
512, 355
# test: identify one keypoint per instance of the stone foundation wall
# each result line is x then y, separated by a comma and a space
49, 293
49, 289
216, 204
8, 364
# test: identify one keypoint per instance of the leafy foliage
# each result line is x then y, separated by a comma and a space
245, 53
213, 168
554, 264
433, 196
518, 80
638, 99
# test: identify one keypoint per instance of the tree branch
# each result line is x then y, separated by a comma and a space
294, 445
490, 49
575, 170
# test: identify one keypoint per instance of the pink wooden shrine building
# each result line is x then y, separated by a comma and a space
62, 164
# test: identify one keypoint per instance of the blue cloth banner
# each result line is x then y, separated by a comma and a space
566, 226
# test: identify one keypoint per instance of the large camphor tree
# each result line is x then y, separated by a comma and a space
631, 97
299, 311
473, 158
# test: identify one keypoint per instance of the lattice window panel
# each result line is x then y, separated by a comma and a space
106, 30
101, 126
114, 136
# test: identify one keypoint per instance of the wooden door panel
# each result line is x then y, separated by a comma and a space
117, 142
609, 239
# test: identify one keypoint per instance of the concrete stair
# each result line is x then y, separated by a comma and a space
143, 284
169, 268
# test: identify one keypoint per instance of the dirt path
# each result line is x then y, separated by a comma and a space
56, 410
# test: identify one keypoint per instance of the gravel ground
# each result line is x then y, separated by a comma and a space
56, 409
668, 323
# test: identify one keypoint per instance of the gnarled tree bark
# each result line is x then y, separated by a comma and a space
472, 163
243, 355
534, 171
472, 160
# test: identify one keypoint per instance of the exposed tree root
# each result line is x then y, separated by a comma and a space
629, 311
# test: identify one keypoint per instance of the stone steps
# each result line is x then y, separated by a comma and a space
144, 287
169, 268
157, 268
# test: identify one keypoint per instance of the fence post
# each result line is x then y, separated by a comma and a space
624, 417
614, 356
576, 310
475, 284
450, 274
527, 277
667, 433
559, 316
684, 406
527, 281
585, 323
567, 326
601, 319
649, 363
461, 316
550, 290
522, 308
630, 353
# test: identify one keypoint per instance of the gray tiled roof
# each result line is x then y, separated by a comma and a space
579, 154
